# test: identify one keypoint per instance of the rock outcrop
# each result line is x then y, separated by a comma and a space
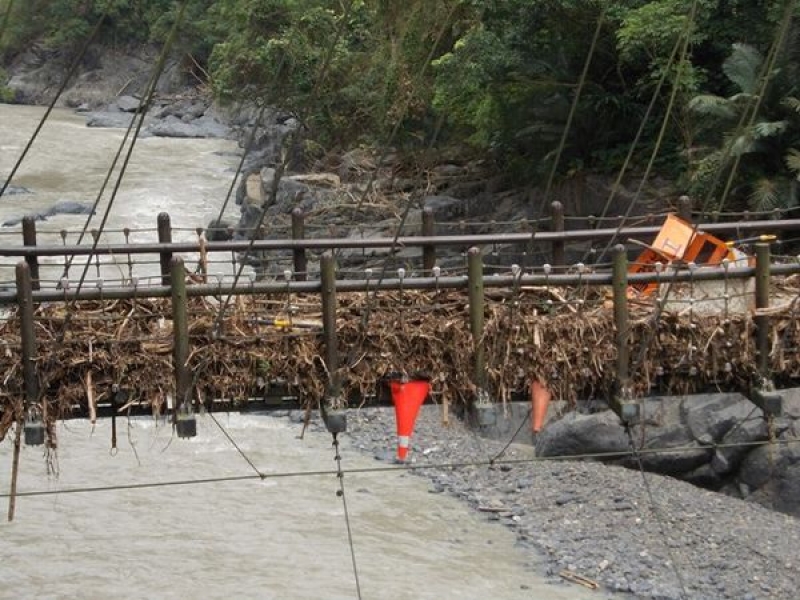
62, 207
712, 440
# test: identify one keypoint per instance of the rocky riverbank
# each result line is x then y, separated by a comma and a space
649, 537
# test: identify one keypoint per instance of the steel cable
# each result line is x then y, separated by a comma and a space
610, 455
657, 514
70, 72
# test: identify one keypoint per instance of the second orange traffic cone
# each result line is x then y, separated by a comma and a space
407, 396
540, 400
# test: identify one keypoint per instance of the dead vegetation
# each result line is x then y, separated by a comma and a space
563, 337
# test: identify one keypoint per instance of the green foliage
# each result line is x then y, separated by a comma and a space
496, 76
7, 95
764, 148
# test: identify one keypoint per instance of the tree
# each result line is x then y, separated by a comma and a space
763, 147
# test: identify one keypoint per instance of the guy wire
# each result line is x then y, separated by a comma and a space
235, 445
610, 455
159, 68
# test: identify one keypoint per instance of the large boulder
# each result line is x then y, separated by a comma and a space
712, 440
203, 127
577, 434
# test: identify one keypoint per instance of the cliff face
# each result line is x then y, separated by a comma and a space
35, 75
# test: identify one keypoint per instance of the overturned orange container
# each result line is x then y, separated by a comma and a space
678, 241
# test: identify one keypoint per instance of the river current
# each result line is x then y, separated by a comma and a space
277, 538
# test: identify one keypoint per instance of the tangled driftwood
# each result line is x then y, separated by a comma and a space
559, 336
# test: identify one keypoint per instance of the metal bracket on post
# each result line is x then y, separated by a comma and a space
626, 408
335, 419
767, 399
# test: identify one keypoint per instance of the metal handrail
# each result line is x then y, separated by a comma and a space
407, 283
388, 242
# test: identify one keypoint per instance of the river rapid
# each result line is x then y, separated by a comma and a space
186, 178
279, 538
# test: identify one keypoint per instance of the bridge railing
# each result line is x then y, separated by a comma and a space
518, 298
140, 258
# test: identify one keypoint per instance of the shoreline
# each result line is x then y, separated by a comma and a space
597, 520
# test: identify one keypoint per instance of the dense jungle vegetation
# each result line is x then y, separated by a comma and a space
702, 87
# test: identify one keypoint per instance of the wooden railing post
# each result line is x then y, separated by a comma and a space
762, 302
763, 392
428, 230
476, 300
27, 332
28, 341
685, 208
329, 306
622, 403
557, 216
180, 332
29, 239
299, 254
165, 237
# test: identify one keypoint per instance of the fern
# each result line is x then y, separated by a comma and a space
792, 160
791, 103
766, 195
742, 67
767, 129
712, 106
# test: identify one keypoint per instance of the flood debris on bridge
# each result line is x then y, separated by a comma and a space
564, 337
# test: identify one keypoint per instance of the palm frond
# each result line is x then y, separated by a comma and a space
742, 67
743, 99
712, 106
767, 129
740, 144
792, 160
766, 195
791, 103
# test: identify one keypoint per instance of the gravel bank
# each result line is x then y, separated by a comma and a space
597, 521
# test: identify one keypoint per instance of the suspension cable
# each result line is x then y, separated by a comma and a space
159, 68
365, 317
768, 70
575, 101
281, 167
72, 69
639, 132
670, 281
259, 118
686, 36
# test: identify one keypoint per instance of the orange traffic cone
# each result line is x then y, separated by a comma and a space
407, 397
540, 399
